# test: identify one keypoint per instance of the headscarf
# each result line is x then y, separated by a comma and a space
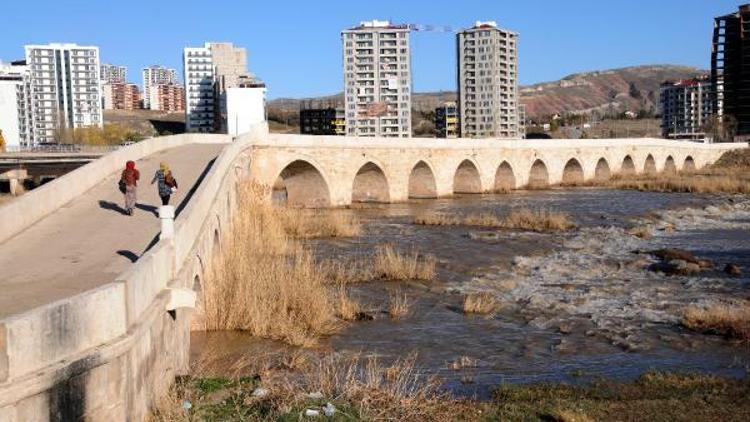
130, 165
164, 167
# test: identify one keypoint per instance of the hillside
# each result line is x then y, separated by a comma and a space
606, 92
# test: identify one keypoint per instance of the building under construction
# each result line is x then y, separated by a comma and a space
322, 118
730, 69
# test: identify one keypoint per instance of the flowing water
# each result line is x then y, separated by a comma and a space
575, 306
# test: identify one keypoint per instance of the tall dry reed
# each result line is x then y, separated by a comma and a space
732, 321
539, 220
264, 283
391, 265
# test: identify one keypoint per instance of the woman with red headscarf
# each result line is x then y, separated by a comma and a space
128, 185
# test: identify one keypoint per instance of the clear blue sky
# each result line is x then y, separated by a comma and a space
295, 45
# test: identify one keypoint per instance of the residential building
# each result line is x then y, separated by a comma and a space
246, 107
730, 69
121, 96
156, 75
65, 89
167, 97
488, 82
14, 104
522, 123
686, 106
210, 71
377, 79
315, 119
446, 120
113, 74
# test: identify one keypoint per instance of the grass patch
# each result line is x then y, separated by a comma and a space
641, 232
310, 224
393, 265
399, 306
518, 219
480, 303
731, 321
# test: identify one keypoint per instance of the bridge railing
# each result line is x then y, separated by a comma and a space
60, 148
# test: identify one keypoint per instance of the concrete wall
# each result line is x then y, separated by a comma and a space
105, 354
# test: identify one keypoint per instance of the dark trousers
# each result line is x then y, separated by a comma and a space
165, 199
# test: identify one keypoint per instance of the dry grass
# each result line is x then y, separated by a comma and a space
347, 308
732, 321
480, 303
518, 219
642, 232
399, 306
308, 224
693, 182
265, 284
392, 265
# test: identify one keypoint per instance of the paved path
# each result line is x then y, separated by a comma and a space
89, 241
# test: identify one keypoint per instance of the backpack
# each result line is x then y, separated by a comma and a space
169, 180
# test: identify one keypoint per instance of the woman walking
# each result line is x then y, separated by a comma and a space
167, 183
128, 186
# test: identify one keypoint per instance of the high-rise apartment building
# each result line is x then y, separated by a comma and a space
446, 120
121, 96
168, 97
113, 74
65, 89
156, 75
15, 112
377, 79
685, 107
488, 82
210, 72
730, 68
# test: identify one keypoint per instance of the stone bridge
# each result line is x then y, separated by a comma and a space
336, 171
96, 307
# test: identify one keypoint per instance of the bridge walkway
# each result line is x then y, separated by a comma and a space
89, 241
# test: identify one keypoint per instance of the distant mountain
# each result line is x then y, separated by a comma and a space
631, 88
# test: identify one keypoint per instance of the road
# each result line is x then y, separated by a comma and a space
89, 241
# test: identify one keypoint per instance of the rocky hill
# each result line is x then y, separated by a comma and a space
608, 91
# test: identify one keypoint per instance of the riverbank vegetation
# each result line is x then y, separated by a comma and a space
359, 389
480, 303
265, 282
538, 220
731, 321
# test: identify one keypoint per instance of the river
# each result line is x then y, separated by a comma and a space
576, 306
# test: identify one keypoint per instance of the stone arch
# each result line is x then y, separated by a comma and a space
572, 173
602, 171
216, 243
538, 175
301, 184
370, 184
669, 165
628, 166
422, 181
505, 180
649, 167
689, 164
466, 178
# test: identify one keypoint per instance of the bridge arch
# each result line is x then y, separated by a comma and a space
602, 171
422, 181
572, 173
538, 175
689, 164
370, 184
466, 179
301, 184
628, 166
505, 180
669, 165
649, 167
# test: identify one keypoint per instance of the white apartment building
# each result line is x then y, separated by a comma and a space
488, 82
377, 79
65, 89
686, 106
199, 89
156, 75
14, 106
113, 74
